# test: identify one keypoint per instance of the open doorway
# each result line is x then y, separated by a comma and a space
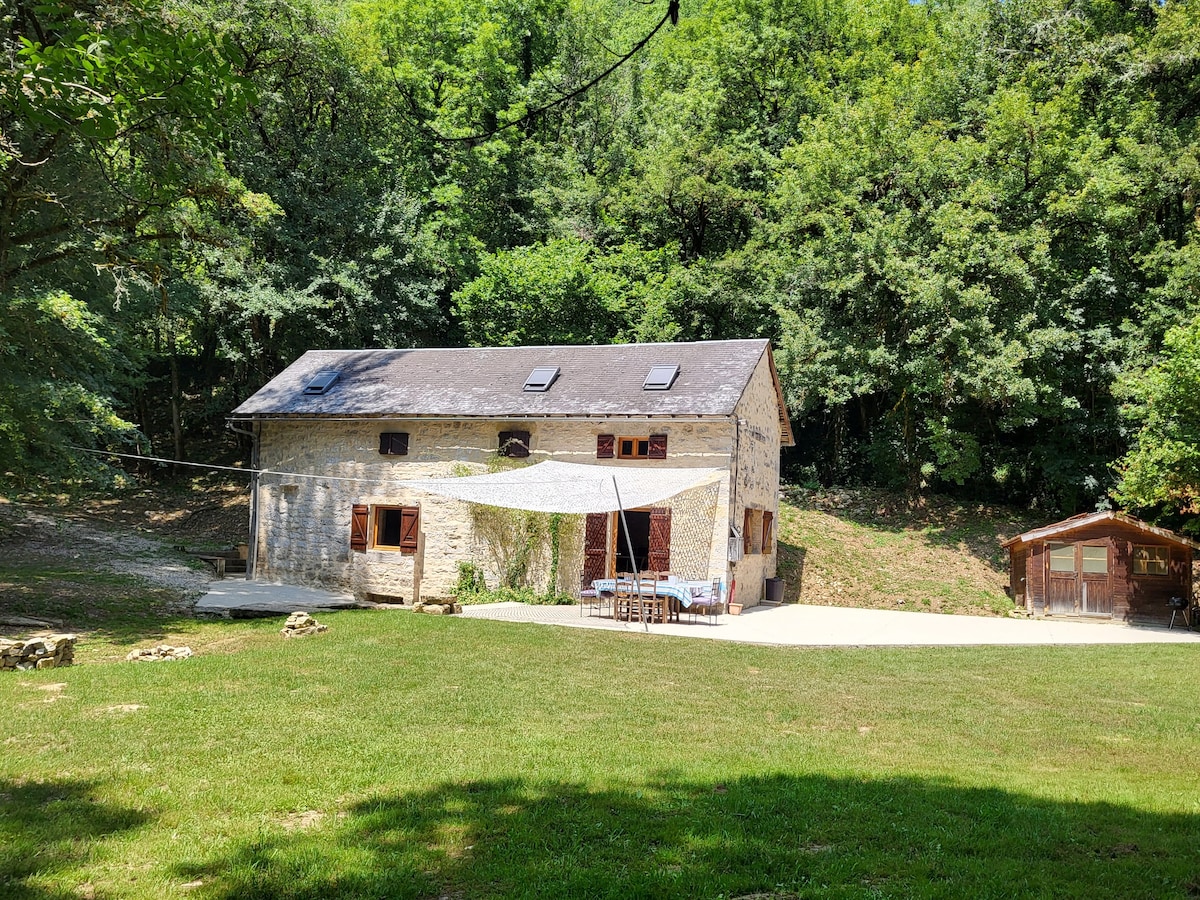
638, 521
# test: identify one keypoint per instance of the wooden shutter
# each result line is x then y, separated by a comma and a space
514, 444
393, 443
410, 519
358, 527
658, 446
768, 521
660, 539
605, 446
747, 523
595, 547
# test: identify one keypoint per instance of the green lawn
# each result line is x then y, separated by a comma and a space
409, 756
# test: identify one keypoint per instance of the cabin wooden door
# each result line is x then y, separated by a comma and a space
1078, 580
1062, 580
1095, 576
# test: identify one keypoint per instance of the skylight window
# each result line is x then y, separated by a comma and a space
660, 378
321, 382
541, 378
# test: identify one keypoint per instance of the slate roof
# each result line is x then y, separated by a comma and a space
1084, 520
595, 380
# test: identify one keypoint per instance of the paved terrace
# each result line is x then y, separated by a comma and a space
834, 626
791, 624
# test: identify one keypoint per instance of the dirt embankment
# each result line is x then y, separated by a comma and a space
81, 562
874, 549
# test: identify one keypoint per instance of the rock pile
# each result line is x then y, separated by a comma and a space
301, 623
154, 654
437, 609
38, 653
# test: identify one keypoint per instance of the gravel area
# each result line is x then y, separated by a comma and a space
41, 534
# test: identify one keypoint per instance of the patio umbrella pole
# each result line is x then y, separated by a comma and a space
637, 577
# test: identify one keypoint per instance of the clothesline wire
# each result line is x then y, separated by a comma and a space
248, 471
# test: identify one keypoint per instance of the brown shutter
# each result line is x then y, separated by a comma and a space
358, 527
394, 443
410, 519
768, 521
747, 523
595, 546
660, 539
658, 446
605, 446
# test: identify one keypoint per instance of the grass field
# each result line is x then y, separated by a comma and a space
409, 756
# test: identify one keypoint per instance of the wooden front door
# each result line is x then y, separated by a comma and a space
1095, 575
1062, 580
1079, 580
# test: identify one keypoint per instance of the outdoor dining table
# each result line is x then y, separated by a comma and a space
684, 593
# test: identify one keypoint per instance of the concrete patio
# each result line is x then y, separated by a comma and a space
833, 626
791, 624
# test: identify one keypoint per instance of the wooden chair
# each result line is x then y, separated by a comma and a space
626, 600
650, 605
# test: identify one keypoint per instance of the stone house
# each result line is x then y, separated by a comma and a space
337, 432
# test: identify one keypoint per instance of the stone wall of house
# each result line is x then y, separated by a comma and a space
304, 523
756, 479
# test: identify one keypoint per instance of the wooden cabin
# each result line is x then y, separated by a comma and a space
1104, 565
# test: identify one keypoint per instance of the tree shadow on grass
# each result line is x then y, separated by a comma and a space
50, 827
768, 837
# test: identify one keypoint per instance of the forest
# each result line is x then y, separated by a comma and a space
969, 227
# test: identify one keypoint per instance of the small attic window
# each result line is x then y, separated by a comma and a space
541, 378
321, 382
660, 378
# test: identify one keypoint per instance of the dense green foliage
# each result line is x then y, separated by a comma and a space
1162, 471
966, 225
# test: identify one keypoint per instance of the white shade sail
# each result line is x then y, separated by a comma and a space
569, 487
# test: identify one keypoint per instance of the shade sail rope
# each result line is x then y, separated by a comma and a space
548, 486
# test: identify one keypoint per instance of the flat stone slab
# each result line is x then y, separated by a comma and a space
251, 599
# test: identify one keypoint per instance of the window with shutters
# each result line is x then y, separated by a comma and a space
653, 446
396, 527
393, 443
514, 444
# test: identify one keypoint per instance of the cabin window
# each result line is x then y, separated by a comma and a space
1095, 560
396, 527
1062, 557
1151, 560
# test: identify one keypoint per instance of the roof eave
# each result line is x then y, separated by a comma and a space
1068, 525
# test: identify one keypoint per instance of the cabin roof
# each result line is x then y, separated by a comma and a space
1066, 526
